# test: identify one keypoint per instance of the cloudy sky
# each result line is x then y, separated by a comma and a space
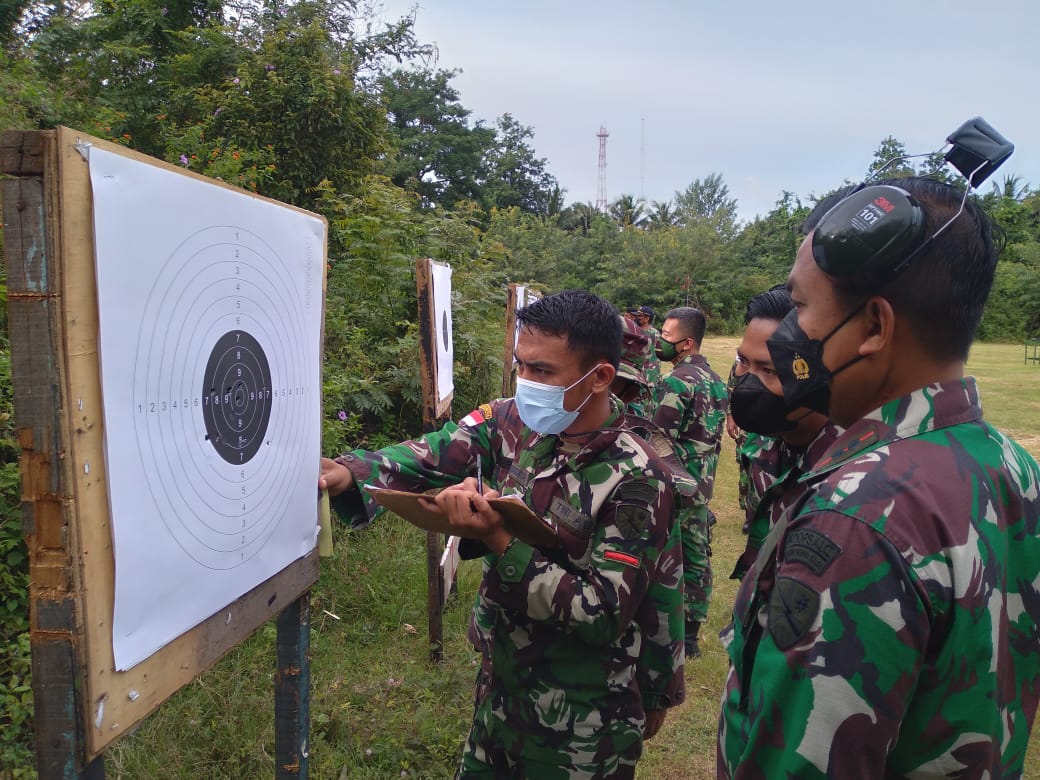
775, 96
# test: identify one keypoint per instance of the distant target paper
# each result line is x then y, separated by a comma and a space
210, 306
524, 297
441, 274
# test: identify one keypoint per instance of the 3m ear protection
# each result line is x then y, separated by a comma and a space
876, 231
874, 227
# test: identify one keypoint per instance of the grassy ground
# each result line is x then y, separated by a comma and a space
380, 710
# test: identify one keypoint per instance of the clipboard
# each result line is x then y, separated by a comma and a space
519, 520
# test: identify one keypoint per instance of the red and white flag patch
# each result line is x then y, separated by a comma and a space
472, 419
478, 416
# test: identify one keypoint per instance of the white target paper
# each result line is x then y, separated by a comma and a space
443, 336
210, 306
524, 297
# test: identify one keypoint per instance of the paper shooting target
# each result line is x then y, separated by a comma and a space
214, 385
209, 324
443, 342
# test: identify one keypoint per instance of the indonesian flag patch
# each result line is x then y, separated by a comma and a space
478, 416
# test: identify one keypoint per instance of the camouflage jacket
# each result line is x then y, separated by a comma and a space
771, 465
652, 365
760, 460
889, 625
691, 410
741, 441
579, 639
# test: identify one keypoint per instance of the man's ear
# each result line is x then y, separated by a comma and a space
602, 377
879, 328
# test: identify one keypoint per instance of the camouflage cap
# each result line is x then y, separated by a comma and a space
634, 347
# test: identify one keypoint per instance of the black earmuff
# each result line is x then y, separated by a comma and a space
876, 231
871, 233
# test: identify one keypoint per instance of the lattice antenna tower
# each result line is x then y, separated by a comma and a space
601, 189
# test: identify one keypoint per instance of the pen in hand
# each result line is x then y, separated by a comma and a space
480, 478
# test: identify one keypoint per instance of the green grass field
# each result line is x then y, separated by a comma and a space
379, 709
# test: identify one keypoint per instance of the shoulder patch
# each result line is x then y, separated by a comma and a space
793, 608
636, 492
487, 411
632, 521
811, 549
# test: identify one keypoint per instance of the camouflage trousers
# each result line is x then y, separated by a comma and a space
695, 526
486, 758
498, 749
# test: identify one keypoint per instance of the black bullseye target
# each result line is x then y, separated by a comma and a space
236, 393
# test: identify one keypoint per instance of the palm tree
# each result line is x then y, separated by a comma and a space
661, 215
1012, 187
627, 211
577, 216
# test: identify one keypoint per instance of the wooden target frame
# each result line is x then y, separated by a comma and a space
83, 704
442, 558
518, 296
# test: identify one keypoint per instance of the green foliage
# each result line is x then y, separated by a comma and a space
438, 154
16, 706
371, 333
515, 176
707, 201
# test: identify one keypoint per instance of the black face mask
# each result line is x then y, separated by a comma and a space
757, 410
665, 350
798, 360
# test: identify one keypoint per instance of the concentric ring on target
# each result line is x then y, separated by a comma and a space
220, 394
236, 389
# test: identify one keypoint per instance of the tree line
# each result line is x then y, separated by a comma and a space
318, 104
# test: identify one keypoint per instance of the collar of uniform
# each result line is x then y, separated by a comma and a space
696, 359
929, 408
593, 441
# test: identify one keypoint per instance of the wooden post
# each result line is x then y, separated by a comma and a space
292, 692
36, 328
434, 412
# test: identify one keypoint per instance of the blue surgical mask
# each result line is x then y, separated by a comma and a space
541, 406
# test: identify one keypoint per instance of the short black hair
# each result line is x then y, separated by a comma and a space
825, 204
692, 322
591, 325
773, 304
944, 289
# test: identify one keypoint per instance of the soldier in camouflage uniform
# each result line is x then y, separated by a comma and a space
747, 447
644, 318
630, 384
691, 410
889, 626
779, 445
581, 644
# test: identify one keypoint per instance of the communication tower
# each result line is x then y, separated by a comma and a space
601, 189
